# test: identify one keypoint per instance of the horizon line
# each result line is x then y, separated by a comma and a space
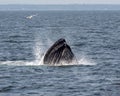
61, 4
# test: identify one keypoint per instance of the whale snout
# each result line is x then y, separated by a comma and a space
60, 51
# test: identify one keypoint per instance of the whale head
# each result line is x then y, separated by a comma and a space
59, 52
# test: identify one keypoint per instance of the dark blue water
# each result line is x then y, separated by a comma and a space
94, 37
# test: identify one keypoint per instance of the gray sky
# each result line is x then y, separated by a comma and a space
59, 1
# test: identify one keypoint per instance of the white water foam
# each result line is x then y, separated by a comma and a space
39, 55
82, 61
86, 61
39, 61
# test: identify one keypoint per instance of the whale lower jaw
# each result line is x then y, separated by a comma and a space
59, 53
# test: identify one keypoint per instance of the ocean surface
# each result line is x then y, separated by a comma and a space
94, 37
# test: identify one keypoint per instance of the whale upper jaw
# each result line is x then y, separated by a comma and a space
58, 53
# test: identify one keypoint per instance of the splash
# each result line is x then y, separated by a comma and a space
38, 62
39, 55
80, 60
86, 61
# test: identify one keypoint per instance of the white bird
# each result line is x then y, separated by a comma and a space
30, 17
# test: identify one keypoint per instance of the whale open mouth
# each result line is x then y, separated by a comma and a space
58, 53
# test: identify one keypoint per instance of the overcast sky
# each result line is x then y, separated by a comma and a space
59, 1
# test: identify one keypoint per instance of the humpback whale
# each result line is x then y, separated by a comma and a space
60, 52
